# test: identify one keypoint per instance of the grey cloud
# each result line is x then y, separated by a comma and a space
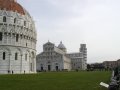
94, 22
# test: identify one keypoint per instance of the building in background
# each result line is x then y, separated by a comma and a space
17, 39
56, 58
79, 59
110, 64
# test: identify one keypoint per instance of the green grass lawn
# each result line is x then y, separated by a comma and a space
55, 81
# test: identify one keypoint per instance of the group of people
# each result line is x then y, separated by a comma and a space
9, 72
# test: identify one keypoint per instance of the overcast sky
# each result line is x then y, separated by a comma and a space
93, 22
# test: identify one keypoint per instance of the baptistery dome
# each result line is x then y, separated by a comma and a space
11, 5
17, 39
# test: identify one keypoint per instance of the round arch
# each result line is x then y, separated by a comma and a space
5, 49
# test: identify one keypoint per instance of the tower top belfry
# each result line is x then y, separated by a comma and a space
83, 49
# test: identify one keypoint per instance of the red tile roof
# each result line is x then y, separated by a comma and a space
11, 5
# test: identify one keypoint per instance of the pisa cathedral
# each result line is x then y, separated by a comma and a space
56, 58
17, 39
18, 45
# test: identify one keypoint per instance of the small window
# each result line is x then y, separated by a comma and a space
16, 56
26, 44
14, 20
21, 36
17, 36
26, 57
4, 19
0, 36
24, 23
3, 55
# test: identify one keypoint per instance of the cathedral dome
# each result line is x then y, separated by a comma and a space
61, 46
11, 5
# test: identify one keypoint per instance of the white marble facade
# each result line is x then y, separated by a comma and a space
17, 42
57, 59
